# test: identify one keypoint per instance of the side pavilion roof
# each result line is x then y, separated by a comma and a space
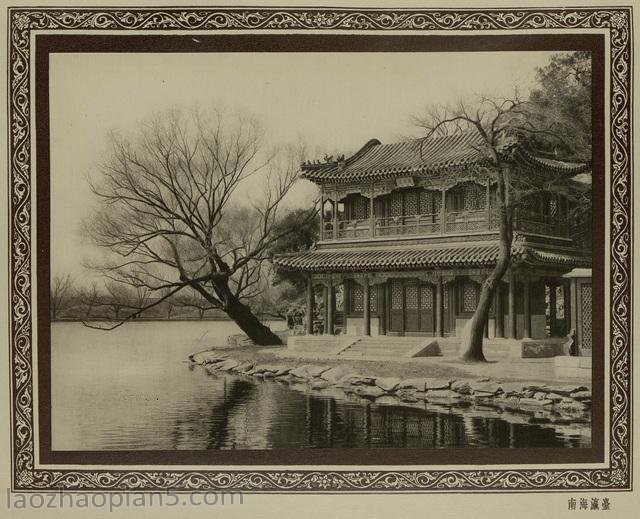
481, 254
377, 161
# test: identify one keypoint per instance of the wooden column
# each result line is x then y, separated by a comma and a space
527, 310
574, 304
382, 309
325, 302
439, 312
322, 215
488, 205
443, 204
346, 303
566, 295
499, 311
335, 218
512, 306
310, 306
453, 306
331, 306
366, 308
372, 220
553, 325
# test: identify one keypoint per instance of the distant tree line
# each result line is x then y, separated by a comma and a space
112, 301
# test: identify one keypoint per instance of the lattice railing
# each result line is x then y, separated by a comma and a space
360, 228
455, 222
327, 231
414, 224
541, 224
461, 221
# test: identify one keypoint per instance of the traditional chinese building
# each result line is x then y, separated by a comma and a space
409, 231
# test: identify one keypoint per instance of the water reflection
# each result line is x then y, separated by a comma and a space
272, 415
130, 390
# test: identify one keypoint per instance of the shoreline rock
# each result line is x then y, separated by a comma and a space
563, 403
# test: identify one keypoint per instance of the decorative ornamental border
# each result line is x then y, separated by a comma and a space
24, 20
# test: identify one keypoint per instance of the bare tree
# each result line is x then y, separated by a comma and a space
119, 299
174, 212
61, 296
191, 299
90, 298
500, 123
273, 299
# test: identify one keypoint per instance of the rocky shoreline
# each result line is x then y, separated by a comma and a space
568, 403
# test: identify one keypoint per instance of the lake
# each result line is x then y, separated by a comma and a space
130, 389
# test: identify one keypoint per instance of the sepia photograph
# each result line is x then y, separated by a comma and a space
373, 251
320, 250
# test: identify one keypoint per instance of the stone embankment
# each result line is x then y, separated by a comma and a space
570, 400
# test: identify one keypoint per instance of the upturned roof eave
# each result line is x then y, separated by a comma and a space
448, 256
339, 172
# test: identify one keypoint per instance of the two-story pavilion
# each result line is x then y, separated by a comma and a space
410, 231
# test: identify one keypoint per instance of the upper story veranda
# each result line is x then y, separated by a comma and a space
439, 187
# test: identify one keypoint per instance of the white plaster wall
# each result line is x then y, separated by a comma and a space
460, 323
355, 326
538, 326
492, 328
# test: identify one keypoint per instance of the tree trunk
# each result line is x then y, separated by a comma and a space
242, 315
472, 343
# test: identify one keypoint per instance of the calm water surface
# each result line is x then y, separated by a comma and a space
129, 389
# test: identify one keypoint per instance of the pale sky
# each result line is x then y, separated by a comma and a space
331, 101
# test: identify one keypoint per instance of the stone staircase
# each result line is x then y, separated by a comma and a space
390, 347
321, 344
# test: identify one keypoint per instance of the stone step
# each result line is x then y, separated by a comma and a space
383, 347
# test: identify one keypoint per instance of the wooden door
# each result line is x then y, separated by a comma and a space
411, 307
396, 309
427, 308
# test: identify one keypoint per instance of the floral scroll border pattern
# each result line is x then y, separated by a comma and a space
24, 20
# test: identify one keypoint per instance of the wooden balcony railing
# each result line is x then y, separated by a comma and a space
464, 221
535, 223
455, 222
354, 229
414, 224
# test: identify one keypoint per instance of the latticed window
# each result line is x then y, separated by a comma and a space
396, 295
373, 299
531, 204
445, 298
426, 297
411, 202
468, 196
474, 196
469, 296
360, 208
411, 297
356, 298
396, 203
587, 317
430, 201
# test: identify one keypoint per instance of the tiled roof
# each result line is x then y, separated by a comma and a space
376, 161
453, 255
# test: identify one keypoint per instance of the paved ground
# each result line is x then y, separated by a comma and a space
502, 368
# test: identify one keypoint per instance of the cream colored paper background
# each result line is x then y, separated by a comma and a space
490, 505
